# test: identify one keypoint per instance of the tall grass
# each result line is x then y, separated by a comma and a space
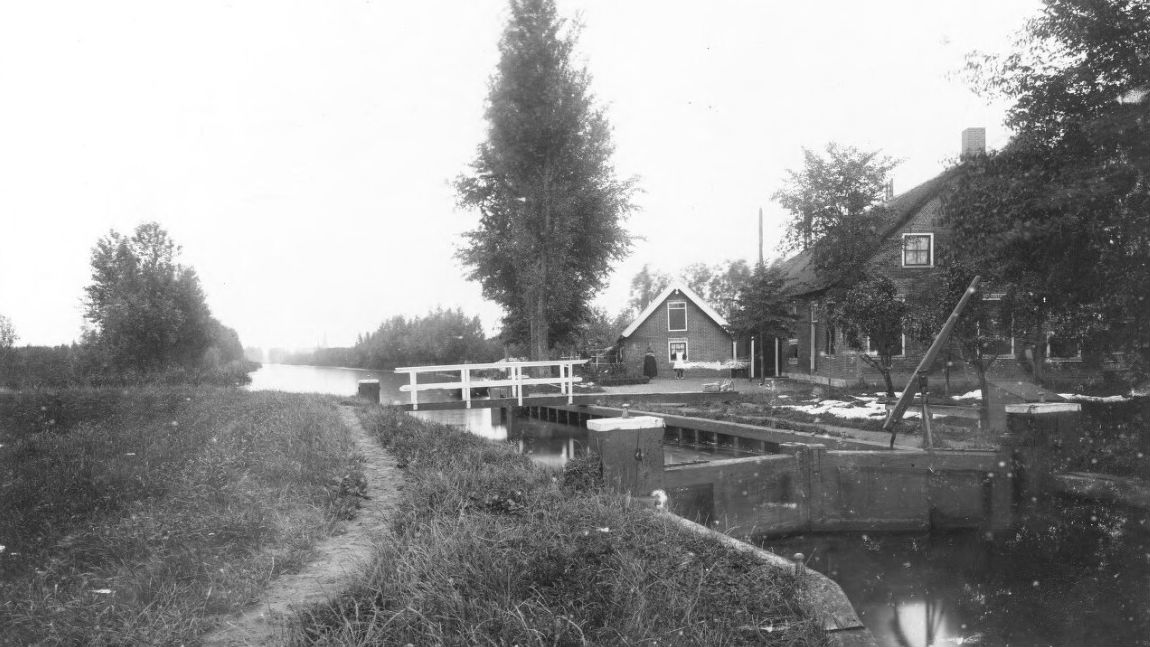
489, 549
132, 516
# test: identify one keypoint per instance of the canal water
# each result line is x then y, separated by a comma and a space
545, 442
1072, 574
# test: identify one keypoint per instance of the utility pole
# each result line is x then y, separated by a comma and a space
760, 236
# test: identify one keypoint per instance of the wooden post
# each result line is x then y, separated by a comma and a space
370, 390
631, 451
414, 396
927, 439
943, 335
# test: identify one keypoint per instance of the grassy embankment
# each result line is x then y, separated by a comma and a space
132, 516
491, 549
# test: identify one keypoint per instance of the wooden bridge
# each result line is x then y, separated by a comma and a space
508, 390
514, 379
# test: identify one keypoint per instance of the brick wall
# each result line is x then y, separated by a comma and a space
706, 340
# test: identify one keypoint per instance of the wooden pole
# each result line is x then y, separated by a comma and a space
760, 236
931, 354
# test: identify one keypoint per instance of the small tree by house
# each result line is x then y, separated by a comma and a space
761, 307
873, 313
978, 337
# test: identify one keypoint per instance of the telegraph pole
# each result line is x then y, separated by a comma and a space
760, 236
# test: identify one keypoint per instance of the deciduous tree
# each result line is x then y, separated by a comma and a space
719, 285
551, 208
829, 191
8, 335
148, 311
762, 307
645, 286
1060, 218
872, 309
981, 332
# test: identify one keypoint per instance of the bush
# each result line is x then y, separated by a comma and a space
624, 380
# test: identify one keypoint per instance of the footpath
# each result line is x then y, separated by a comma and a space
339, 558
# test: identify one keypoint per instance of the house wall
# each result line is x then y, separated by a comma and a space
846, 367
706, 340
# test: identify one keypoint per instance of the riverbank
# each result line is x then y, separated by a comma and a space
490, 548
141, 515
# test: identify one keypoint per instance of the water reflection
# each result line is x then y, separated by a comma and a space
309, 379
1063, 577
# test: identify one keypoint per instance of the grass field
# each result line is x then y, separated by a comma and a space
134, 516
490, 549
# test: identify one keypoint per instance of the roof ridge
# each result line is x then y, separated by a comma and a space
676, 284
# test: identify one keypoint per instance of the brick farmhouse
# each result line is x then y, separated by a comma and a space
821, 352
678, 319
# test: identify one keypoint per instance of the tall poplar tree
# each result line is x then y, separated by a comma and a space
551, 209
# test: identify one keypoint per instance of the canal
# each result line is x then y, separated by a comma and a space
547, 443
1070, 573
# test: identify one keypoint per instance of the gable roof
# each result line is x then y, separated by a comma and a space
799, 273
657, 301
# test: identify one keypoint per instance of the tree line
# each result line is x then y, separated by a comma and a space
443, 336
147, 320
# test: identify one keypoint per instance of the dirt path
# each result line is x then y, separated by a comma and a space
340, 557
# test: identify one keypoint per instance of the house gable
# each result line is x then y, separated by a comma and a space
659, 303
677, 320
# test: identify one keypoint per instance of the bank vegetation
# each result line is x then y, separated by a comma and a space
492, 549
137, 516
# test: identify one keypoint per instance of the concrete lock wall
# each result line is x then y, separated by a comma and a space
1035, 434
741, 496
807, 488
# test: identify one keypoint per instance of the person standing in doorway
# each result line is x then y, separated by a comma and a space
650, 368
678, 361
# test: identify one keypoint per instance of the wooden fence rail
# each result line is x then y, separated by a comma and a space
514, 378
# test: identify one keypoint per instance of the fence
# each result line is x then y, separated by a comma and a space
513, 370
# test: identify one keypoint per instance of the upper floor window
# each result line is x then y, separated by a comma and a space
918, 250
676, 316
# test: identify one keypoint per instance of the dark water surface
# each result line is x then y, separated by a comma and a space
1072, 574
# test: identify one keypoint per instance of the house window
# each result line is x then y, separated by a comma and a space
1000, 337
899, 349
1063, 348
918, 250
676, 346
676, 316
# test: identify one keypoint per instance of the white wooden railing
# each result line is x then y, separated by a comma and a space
515, 378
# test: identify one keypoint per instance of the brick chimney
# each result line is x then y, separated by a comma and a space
973, 142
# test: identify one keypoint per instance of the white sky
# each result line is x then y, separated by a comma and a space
302, 153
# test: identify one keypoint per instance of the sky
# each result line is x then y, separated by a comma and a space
302, 153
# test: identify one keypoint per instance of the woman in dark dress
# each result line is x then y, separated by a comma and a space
650, 369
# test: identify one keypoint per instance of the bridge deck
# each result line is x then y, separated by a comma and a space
603, 399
